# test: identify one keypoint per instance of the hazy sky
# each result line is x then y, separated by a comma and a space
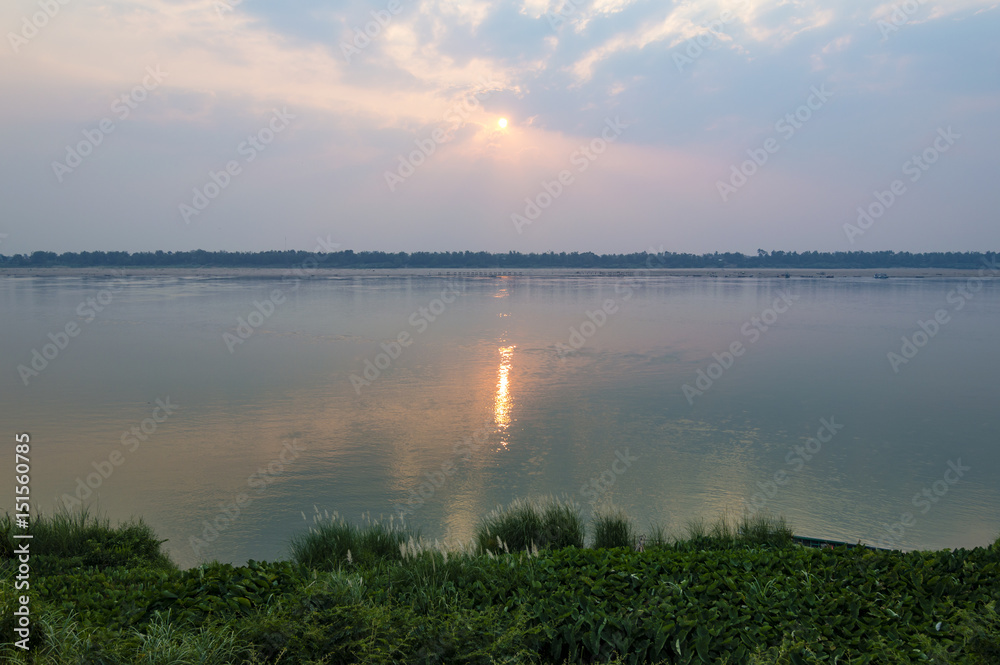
695, 126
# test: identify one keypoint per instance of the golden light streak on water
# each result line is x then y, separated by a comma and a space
502, 400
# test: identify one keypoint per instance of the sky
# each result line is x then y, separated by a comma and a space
721, 125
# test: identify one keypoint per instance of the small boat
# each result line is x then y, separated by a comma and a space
881, 275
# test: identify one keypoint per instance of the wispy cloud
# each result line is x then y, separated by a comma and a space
229, 69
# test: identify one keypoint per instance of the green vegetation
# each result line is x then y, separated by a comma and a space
502, 261
613, 529
758, 530
529, 525
67, 540
334, 544
726, 593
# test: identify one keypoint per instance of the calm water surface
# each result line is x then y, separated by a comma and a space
266, 411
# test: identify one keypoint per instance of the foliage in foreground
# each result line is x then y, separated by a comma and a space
66, 540
734, 602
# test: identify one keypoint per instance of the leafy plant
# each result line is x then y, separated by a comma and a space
744, 598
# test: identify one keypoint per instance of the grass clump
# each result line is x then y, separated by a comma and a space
525, 525
764, 529
165, 643
335, 543
69, 540
656, 536
613, 529
702, 536
757, 530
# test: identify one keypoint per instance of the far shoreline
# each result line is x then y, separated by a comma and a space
639, 273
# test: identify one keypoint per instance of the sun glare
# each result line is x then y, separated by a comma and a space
502, 400
502, 122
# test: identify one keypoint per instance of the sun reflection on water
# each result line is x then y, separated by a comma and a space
502, 400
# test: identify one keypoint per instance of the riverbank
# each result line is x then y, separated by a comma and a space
373, 594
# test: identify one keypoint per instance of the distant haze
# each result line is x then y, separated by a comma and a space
695, 127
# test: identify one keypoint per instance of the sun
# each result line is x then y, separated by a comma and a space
502, 122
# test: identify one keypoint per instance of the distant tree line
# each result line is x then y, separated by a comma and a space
510, 260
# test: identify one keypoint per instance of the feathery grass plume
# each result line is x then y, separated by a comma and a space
327, 543
163, 642
548, 523
55, 638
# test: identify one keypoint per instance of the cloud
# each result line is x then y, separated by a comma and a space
408, 73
